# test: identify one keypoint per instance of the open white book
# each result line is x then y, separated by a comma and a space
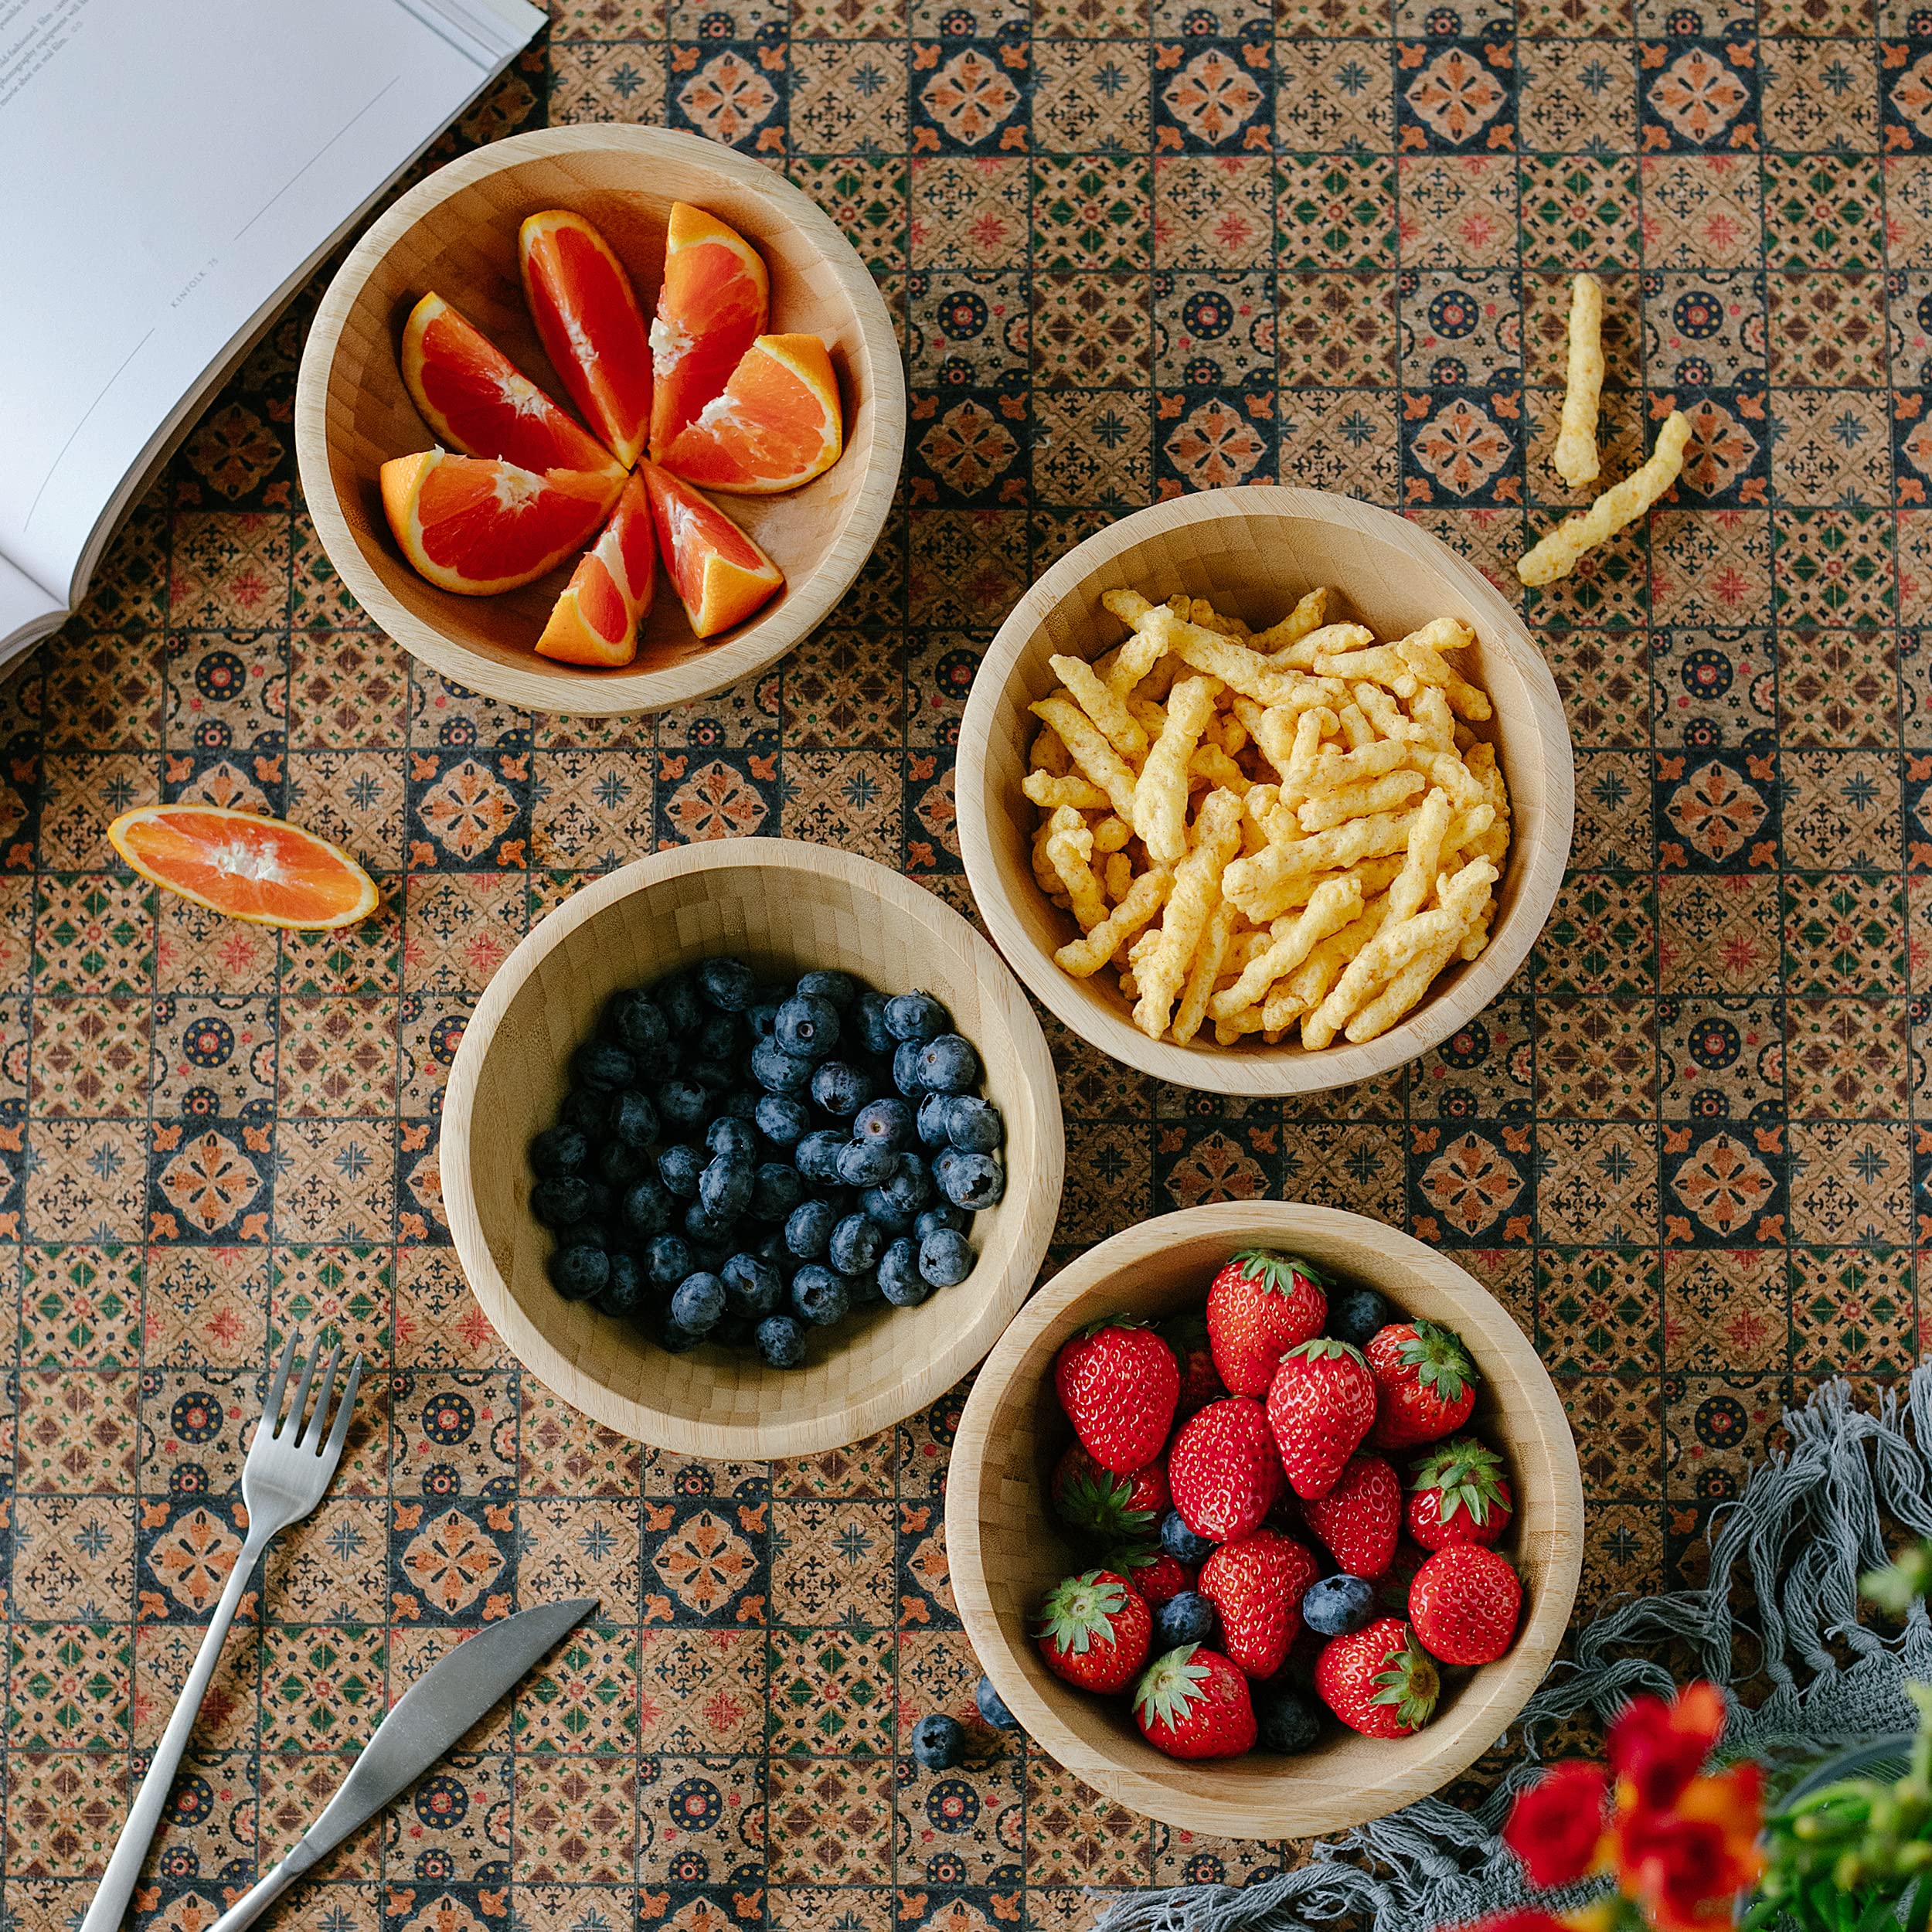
171, 171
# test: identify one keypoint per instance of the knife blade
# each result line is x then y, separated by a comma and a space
421, 1725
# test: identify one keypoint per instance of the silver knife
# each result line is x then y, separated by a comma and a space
423, 1723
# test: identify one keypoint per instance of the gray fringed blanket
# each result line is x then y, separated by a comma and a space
1807, 1523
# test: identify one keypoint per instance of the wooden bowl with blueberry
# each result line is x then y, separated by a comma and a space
751, 1149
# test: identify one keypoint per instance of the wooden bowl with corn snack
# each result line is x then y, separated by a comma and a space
1264, 790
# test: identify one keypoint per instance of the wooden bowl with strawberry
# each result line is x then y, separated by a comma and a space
1264, 1519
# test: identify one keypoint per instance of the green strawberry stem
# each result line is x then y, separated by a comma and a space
1441, 1361
1080, 1610
1168, 1687
1275, 1272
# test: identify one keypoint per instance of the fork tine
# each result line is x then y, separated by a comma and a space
272, 1402
310, 1437
296, 1408
332, 1448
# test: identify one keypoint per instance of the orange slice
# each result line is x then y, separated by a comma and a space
586, 313
721, 576
477, 525
713, 305
776, 424
477, 400
264, 870
596, 620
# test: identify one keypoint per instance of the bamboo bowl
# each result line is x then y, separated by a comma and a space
456, 233
780, 905
1253, 551
1005, 1549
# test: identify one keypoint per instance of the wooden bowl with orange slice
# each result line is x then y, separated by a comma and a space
456, 236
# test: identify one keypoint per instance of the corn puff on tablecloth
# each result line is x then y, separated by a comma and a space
1136, 247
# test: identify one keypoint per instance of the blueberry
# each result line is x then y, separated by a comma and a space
678, 998
948, 1064
1354, 1315
939, 1742
866, 1164
945, 1258
678, 1166
808, 1229
761, 1017
992, 1706
633, 1119
827, 983
636, 1022
620, 1165
855, 1244
674, 1340
558, 1150
667, 1259
942, 1214
1284, 1720
727, 984
970, 1180
911, 1185
698, 1303
626, 1294
863, 1287
558, 1202
771, 1247
889, 1122
1187, 1618
781, 1342
807, 1026
905, 1068
871, 1021
816, 1156
1184, 1545
708, 1257
681, 1105
915, 1016
752, 1286
724, 1186
933, 1111
602, 1066
819, 1295
782, 1122
646, 1207
604, 1201
740, 1105
899, 1273
715, 1076
877, 1204
704, 1225
974, 1125
1336, 1606
579, 1272
717, 1038
840, 1089
735, 1331
778, 1072
775, 1190
587, 1112
728, 1136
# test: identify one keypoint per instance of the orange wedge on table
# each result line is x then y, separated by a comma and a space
720, 575
477, 400
263, 870
587, 317
595, 621
775, 425
477, 524
713, 306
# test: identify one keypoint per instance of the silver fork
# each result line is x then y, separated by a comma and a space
289, 1467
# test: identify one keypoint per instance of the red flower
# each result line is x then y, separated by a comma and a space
1661, 1747
1686, 1867
1554, 1826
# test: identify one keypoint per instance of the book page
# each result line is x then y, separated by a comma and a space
172, 170
27, 613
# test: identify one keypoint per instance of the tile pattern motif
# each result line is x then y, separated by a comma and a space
1135, 247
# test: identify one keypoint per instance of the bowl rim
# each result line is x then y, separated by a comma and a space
1250, 1070
540, 685
1468, 1730
784, 1436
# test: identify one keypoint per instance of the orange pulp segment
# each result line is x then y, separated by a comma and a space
713, 304
595, 621
477, 400
476, 524
721, 576
587, 315
263, 870
775, 425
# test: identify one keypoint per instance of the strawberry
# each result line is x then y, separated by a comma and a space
1464, 1603
1321, 1405
1095, 1631
1224, 1469
1259, 1306
1425, 1383
1110, 1507
1156, 1575
1458, 1494
1118, 1384
1192, 1703
1377, 1681
1256, 1583
1187, 1335
1361, 1517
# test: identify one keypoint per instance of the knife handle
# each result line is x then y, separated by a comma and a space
267, 1889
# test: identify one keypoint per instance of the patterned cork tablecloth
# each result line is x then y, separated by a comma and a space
1136, 247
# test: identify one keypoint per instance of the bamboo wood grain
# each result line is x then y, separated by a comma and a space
784, 906
1253, 551
1004, 1548
456, 233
